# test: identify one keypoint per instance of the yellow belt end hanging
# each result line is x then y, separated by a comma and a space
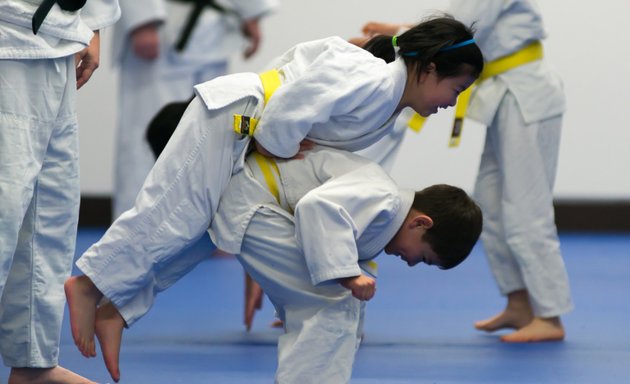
245, 125
460, 112
416, 122
270, 81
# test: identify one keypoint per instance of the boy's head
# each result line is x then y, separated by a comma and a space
442, 227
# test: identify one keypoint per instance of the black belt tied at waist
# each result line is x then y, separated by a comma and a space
193, 18
45, 7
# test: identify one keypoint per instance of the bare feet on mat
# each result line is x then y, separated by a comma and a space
517, 314
539, 329
83, 297
109, 328
55, 375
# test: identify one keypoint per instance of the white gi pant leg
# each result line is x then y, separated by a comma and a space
145, 87
39, 194
174, 207
514, 189
321, 323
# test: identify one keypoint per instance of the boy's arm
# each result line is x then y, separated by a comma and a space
330, 219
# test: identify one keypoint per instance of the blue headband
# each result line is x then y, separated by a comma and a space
458, 45
454, 46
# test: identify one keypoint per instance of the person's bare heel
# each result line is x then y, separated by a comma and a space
83, 297
538, 330
54, 375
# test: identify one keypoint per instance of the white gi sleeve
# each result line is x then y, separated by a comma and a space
136, 13
483, 14
250, 9
98, 14
339, 83
331, 218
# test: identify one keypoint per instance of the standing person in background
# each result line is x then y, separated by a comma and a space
522, 106
164, 48
47, 53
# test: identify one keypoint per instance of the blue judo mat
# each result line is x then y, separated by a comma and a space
418, 326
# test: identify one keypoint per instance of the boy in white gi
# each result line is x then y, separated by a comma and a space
331, 91
164, 48
39, 172
316, 286
521, 101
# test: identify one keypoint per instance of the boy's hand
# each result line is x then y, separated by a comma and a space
305, 145
362, 287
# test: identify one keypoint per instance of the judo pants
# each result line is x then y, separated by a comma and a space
173, 209
39, 195
322, 324
514, 189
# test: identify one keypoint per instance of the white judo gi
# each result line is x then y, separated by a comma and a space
346, 211
39, 172
146, 86
357, 95
523, 110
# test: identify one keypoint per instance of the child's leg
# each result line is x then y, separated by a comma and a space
173, 209
321, 323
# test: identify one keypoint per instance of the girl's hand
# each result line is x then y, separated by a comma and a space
362, 287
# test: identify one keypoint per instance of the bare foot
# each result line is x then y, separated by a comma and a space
508, 319
82, 296
109, 328
55, 375
516, 315
539, 329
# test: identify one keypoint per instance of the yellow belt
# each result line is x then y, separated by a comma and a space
530, 53
246, 125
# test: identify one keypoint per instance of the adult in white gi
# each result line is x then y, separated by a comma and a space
39, 175
158, 67
523, 110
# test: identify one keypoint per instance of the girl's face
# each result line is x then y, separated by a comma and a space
430, 92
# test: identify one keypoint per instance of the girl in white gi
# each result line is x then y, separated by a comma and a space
333, 93
160, 63
522, 108
39, 176
318, 287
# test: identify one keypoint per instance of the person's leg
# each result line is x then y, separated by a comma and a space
527, 156
173, 209
44, 145
321, 323
503, 265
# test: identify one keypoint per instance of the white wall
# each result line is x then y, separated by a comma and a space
587, 43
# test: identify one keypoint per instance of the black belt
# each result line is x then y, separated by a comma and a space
45, 7
193, 19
